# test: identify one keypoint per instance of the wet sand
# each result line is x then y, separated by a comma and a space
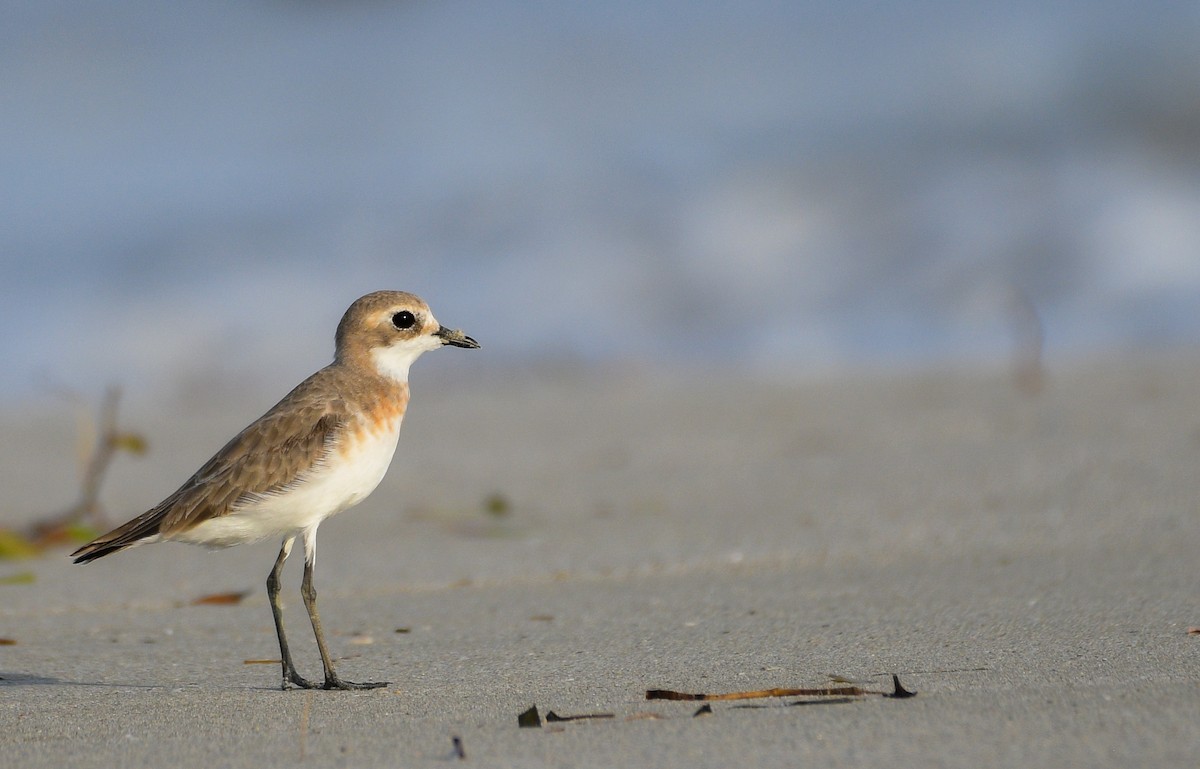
571, 538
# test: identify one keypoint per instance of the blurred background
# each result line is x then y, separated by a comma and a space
195, 191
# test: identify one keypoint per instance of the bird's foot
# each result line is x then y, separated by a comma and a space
294, 678
333, 682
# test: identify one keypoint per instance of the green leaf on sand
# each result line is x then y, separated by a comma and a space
14, 545
131, 442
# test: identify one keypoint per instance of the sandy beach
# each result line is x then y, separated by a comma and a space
570, 538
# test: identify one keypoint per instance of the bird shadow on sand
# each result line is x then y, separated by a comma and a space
8, 678
27, 679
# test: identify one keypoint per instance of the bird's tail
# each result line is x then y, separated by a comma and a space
144, 528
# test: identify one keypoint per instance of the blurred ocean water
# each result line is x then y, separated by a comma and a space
200, 188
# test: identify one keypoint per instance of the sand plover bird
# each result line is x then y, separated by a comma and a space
320, 450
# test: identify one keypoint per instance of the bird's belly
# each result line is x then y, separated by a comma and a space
350, 474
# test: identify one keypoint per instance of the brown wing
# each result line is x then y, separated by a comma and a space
267, 456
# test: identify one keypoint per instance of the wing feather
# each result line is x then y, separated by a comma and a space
270, 455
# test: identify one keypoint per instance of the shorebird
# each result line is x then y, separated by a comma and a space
319, 451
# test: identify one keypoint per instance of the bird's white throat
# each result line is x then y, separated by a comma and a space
394, 360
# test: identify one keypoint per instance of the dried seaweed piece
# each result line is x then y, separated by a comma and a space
832, 691
530, 719
8, 641
497, 505
220, 599
1028, 372
109, 440
304, 723
552, 717
830, 701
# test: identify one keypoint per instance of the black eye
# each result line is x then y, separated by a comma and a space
404, 319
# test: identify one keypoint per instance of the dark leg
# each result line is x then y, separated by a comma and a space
289, 669
308, 591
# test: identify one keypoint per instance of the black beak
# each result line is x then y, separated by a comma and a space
457, 338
